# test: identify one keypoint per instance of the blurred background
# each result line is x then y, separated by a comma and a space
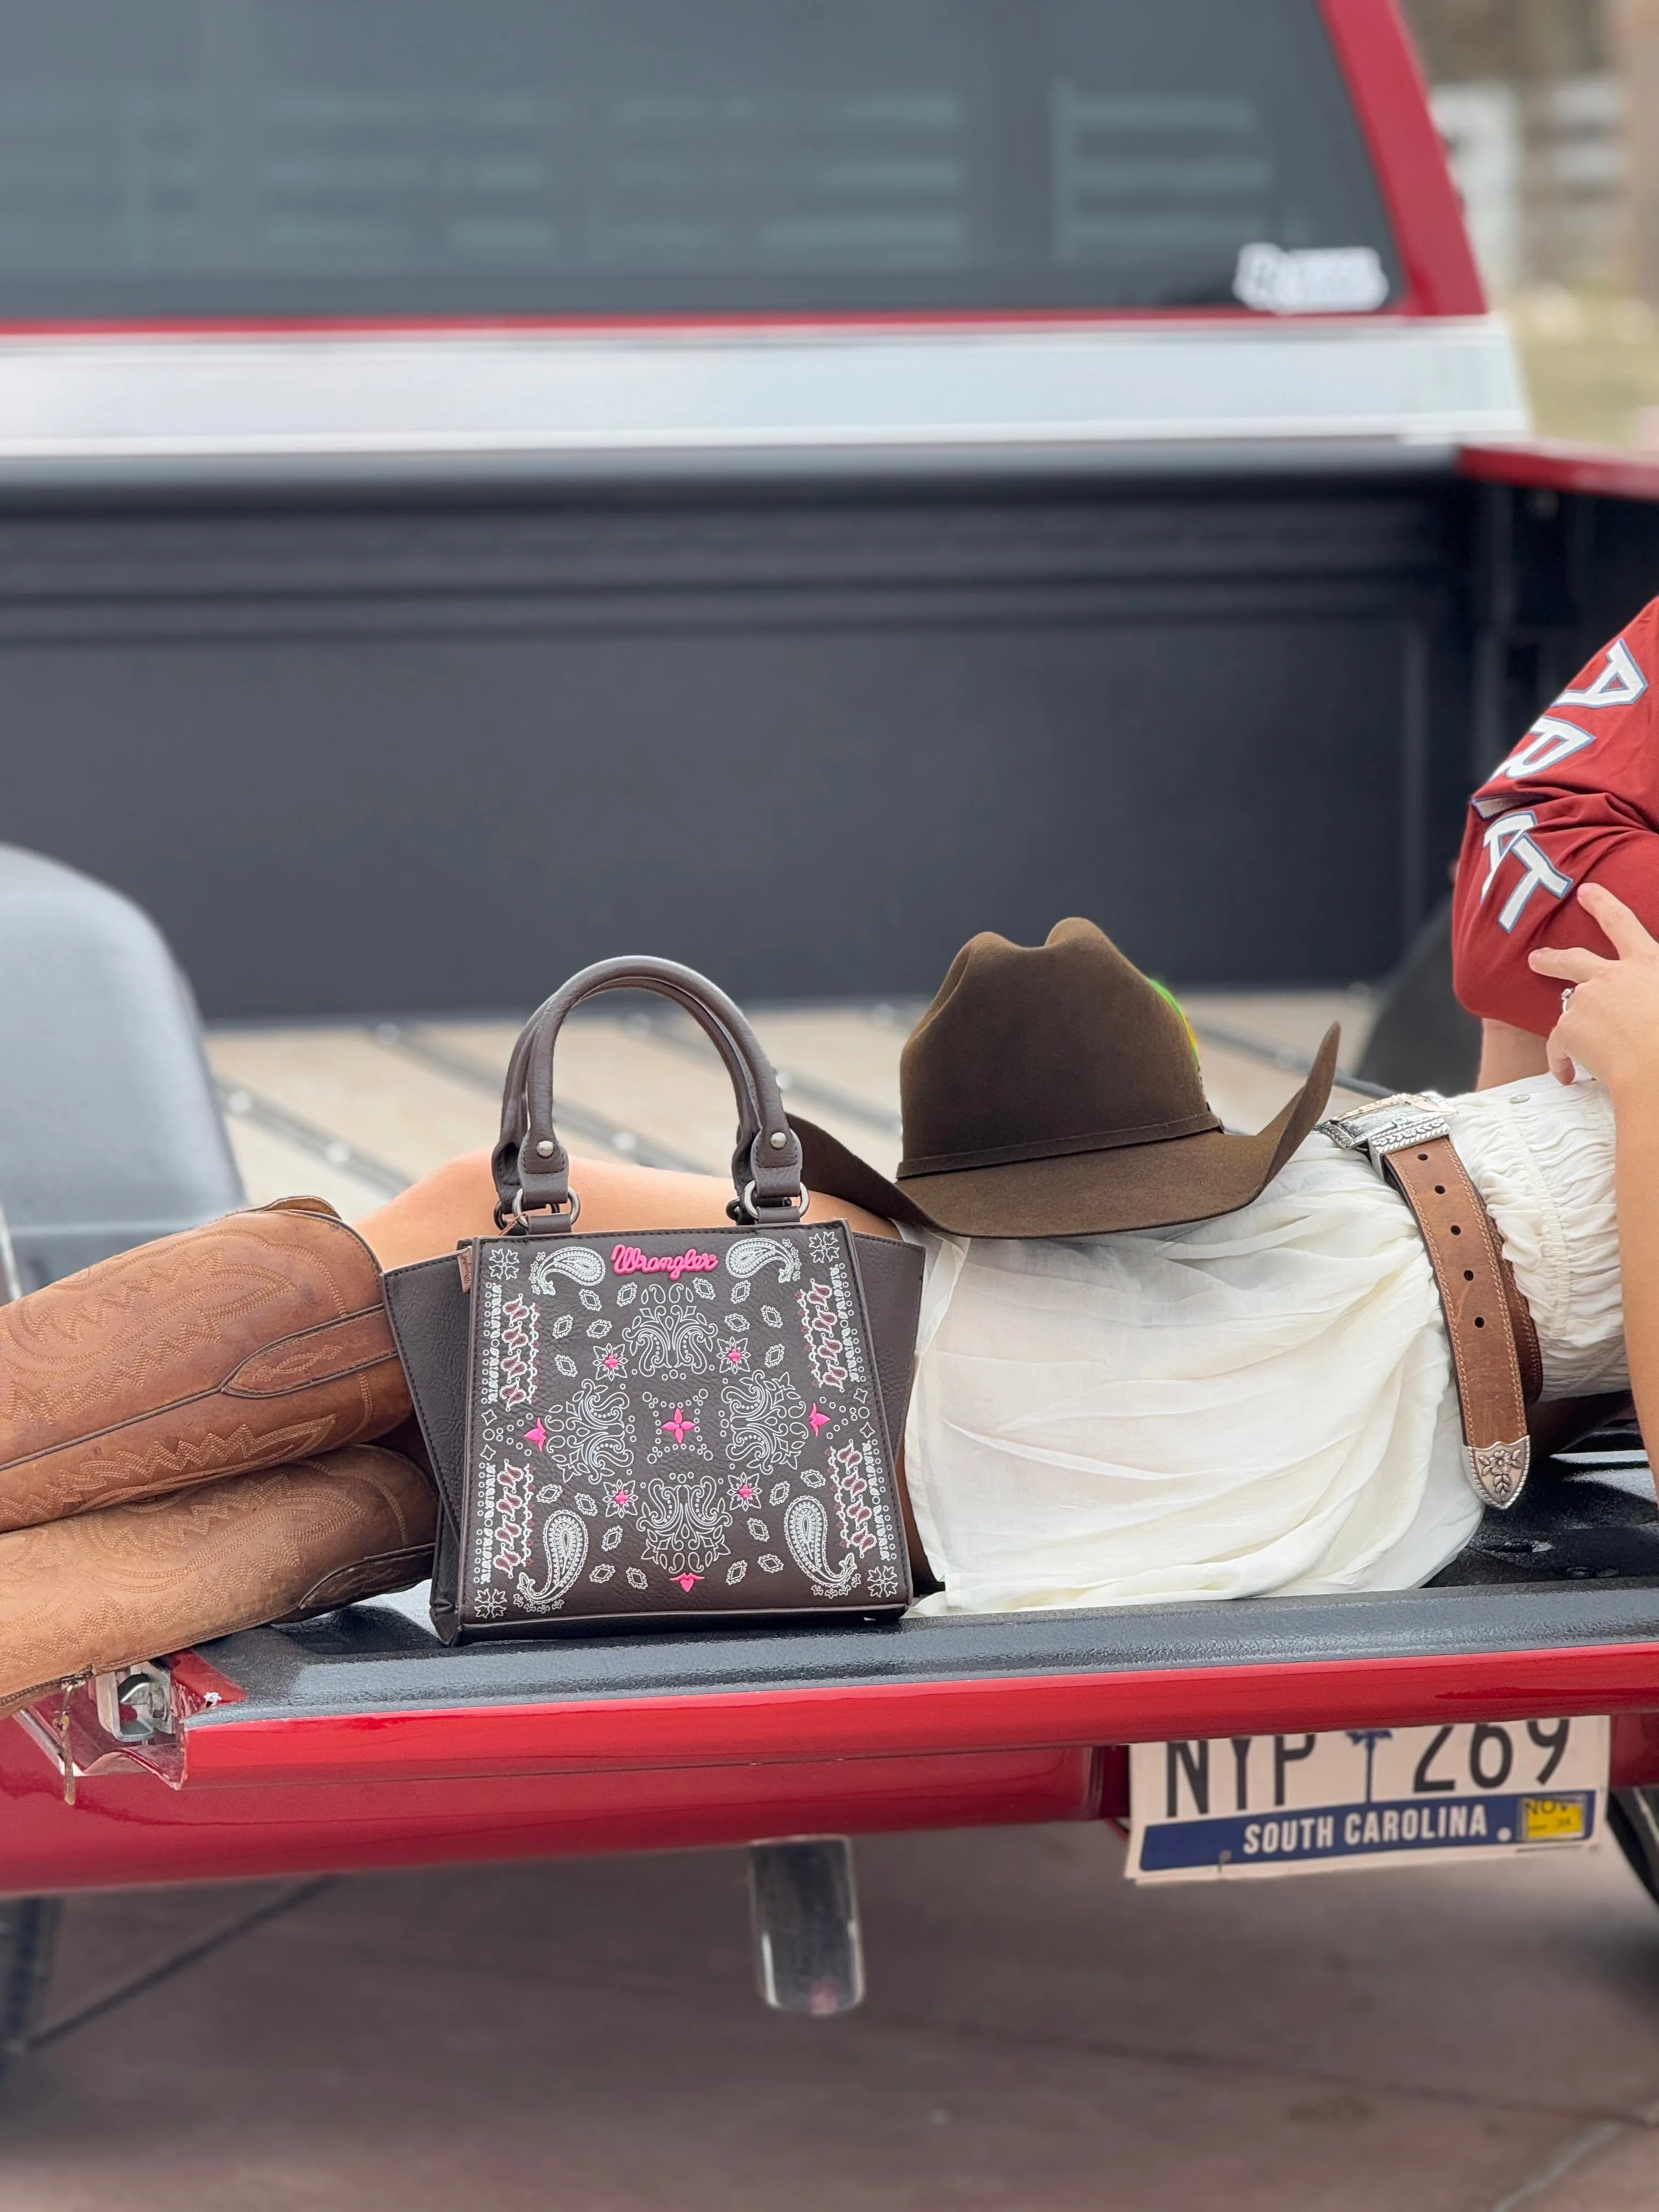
1540, 103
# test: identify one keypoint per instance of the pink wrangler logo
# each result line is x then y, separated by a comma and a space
629, 1260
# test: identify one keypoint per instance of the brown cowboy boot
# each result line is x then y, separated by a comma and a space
135, 1582
253, 1339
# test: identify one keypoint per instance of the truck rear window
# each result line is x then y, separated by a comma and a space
546, 157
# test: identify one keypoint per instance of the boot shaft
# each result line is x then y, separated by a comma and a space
254, 1339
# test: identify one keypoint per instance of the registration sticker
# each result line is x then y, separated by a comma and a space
1264, 1805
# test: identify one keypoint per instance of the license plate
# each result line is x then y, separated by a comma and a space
1264, 1805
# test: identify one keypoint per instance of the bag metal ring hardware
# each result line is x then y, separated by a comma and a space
516, 1213
747, 1210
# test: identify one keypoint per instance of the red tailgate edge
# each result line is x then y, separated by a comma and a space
868, 1721
1547, 464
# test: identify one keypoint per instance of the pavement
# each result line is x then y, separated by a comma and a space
585, 2037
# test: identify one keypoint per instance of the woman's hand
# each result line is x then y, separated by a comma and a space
1609, 1024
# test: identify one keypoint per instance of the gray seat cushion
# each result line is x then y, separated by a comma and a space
109, 1132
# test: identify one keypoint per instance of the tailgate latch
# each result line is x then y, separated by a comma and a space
135, 1703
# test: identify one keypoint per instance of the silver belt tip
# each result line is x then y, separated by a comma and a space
1497, 1473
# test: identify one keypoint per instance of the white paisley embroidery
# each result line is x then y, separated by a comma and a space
748, 1254
564, 1547
671, 1334
593, 1435
764, 1418
579, 1263
685, 1524
806, 1531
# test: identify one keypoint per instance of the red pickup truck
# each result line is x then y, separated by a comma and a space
1094, 401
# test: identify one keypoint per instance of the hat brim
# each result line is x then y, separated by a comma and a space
1159, 1186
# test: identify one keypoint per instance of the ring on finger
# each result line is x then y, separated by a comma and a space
1566, 996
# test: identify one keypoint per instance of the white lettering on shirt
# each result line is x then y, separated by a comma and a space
1508, 838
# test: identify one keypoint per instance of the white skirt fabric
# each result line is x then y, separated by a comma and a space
1260, 1403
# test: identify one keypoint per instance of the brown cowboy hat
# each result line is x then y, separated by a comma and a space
1054, 1091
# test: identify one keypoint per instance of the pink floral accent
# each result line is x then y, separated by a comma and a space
622, 1499
679, 1428
538, 1436
687, 1583
734, 1355
815, 1420
611, 1360
746, 1492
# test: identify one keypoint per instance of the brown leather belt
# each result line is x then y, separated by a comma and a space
1494, 1346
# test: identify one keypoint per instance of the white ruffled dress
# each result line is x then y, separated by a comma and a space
1260, 1403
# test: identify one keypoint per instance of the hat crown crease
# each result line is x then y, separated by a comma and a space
1029, 1051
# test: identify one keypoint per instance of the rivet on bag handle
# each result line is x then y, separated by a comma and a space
530, 1166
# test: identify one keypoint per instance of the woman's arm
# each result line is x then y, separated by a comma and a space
1508, 1055
1610, 1028
1576, 802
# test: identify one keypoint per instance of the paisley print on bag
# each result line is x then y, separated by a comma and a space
806, 1531
763, 1421
591, 1436
669, 1334
684, 1525
564, 1547
665, 1468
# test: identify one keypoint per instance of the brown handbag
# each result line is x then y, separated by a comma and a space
667, 1428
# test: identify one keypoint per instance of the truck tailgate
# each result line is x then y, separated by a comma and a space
358, 1741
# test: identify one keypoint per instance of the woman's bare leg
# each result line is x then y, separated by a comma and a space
459, 1200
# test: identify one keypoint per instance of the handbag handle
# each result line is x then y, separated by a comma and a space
530, 1166
515, 1115
515, 1100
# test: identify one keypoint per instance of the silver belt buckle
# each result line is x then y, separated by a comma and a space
1392, 1125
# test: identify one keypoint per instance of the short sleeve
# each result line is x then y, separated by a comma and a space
1576, 801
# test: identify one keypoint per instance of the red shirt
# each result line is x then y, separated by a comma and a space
1577, 798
